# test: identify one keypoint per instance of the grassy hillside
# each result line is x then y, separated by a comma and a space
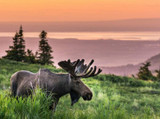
114, 98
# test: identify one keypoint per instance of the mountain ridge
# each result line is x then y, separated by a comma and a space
147, 24
130, 69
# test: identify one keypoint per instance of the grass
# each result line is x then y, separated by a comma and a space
114, 97
29, 108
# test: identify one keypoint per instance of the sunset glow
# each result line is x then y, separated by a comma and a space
77, 10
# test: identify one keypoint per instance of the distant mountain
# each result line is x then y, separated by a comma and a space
155, 62
123, 70
90, 26
133, 69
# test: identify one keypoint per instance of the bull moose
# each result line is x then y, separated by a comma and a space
23, 82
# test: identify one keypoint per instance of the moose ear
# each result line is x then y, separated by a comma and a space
74, 97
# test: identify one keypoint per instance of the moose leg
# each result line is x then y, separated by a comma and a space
54, 104
24, 91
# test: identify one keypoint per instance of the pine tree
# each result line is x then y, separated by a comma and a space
144, 72
21, 49
12, 53
45, 50
17, 51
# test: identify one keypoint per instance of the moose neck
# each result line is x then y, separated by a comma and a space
63, 85
59, 84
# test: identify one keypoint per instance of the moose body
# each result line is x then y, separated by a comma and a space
23, 83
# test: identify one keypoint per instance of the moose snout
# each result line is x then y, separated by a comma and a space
87, 96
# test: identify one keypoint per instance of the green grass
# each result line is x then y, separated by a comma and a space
114, 97
29, 108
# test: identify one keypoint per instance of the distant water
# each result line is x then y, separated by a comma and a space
105, 52
93, 35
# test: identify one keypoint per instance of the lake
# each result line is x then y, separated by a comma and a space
93, 35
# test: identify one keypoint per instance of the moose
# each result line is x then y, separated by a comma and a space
23, 83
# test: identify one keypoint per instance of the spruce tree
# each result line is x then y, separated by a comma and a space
45, 50
21, 49
17, 51
144, 72
12, 53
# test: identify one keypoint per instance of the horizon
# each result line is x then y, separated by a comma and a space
116, 36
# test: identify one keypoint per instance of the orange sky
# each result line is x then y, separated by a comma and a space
77, 10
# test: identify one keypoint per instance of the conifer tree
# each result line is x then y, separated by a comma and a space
12, 53
158, 74
144, 72
30, 57
45, 50
21, 49
17, 51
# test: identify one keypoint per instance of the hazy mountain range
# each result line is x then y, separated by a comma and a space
90, 26
133, 69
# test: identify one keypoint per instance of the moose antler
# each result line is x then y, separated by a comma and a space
78, 69
89, 71
68, 66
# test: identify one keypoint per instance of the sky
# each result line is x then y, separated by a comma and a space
77, 10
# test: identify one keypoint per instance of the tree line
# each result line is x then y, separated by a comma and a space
18, 52
145, 74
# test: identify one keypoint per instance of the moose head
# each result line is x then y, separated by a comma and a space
78, 70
